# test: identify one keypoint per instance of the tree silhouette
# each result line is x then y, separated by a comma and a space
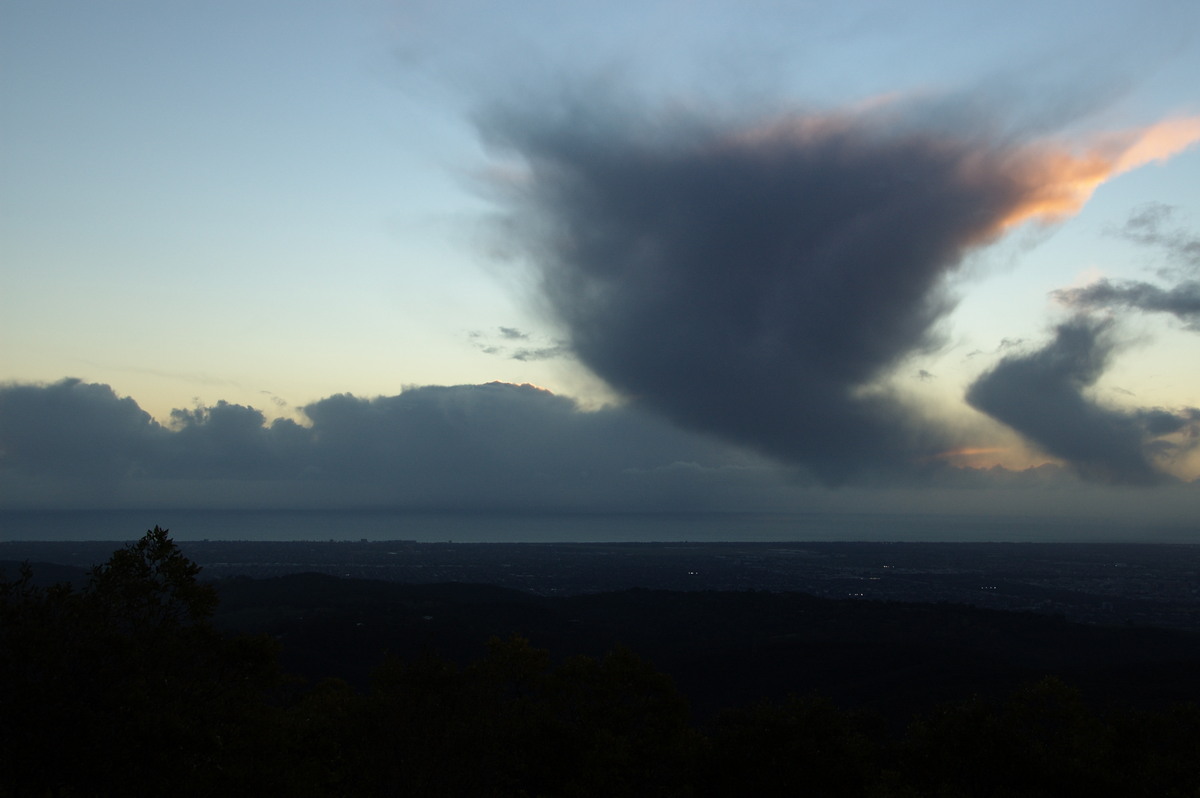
125, 687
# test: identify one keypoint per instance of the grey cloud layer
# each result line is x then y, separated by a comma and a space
485, 446
758, 283
467, 447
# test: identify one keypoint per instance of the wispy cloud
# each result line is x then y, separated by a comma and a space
1181, 301
1148, 227
507, 342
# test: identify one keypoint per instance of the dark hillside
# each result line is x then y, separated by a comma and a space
46, 573
125, 687
722, 648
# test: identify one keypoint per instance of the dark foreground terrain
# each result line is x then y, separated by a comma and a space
146, 679
1101, 583
722, 648
896, 627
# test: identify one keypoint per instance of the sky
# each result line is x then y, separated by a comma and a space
763, 256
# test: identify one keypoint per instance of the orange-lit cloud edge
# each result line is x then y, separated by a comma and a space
1062, 179
1053, 180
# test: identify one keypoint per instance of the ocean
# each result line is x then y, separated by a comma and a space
282, 525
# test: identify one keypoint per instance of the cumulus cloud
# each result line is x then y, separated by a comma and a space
761, 281
232, 441
75, 428
1043, 395
468, 446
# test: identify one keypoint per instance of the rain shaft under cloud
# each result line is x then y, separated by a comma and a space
761, 283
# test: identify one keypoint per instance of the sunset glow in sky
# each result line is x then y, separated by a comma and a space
765, 255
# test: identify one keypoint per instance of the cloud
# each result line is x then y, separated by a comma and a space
510, 336
541, 353
469, 446
1042, 395
1147, 227
1181, 301
1102, 443
231, 441
760, 281
75, 429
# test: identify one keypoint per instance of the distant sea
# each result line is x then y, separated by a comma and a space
283, 525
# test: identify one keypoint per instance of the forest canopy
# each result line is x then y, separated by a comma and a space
124, 686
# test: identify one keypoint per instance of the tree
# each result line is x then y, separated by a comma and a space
803, 746
125, 687
149, 588
1042, 741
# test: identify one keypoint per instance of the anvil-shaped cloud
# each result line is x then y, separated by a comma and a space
760, 281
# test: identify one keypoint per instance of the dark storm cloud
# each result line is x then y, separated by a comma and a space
1042, 396
481, 446
757, 283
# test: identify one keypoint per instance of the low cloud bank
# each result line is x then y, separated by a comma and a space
73, 444
469, 446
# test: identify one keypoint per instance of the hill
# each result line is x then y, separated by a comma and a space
721, 648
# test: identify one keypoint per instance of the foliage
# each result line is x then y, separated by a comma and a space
124, 687
1041, 741
509, 724
801, 745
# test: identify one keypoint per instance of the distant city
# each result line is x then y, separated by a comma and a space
1099, 583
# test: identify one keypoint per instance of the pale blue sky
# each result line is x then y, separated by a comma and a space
270, 202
